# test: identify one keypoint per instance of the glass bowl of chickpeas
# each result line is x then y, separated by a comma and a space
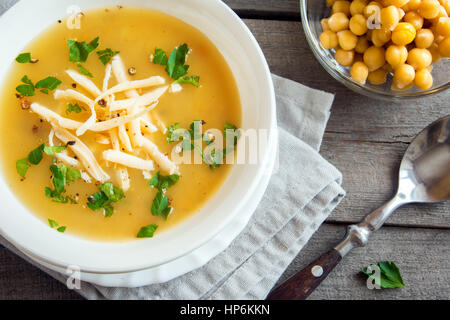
385, 49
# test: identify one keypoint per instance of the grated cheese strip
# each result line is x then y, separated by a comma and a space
107, 77
72, 94
119, 72
62, 156
85, 176
164, 162
140, 101
51, 116
147, 126
102, 139
85, 83
129, 85
122, 173
83, 153
124, 138
89, 122
127, 160
159, 123
69, 124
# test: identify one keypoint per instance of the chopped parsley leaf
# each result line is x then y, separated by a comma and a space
35, 156
79, 51
106, 55
61, 229
194, 80
103, 200
84, 71
50, 83
27, 89
160, 57
160, 206
22, 167
161, 182
50, 151
52, 223
147, 231
74, 108
24, 58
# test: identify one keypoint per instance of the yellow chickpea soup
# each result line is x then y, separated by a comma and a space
91, 115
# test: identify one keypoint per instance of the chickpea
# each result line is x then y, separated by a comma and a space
443, 27
347, 40
403, 34
411, 5
341, 6
442, 14
324, 24
358, 24
362, 45
357, 7
403, 76
446, 5
401, 13
389, 17
344, 58
359, 72
435, 54
378, 76
381, 36
374, 58
423, 79
397, 3
338, 22
396, 55
415, 19
429, 9
444, 48
328, 40
372, 8
424, 38
419, 58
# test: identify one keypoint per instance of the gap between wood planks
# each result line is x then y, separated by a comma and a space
392, 225
267, 15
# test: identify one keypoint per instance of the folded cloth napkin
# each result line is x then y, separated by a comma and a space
302, 193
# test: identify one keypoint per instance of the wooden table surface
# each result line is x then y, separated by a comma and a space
365, 139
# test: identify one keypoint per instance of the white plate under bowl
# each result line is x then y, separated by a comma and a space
191, 261
27, 19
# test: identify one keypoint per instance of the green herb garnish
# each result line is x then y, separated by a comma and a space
24, 58
74, 108
194, 80
160, 206
176, 66
106, 55
27, 89
50, 151
53, 224
147, 231
79, 51
61, 176
50, 83
22, 167
160, 57
390, 276
105, 198
84, 71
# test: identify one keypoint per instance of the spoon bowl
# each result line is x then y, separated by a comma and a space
425, 168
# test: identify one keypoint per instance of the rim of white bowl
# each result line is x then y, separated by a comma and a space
105, 257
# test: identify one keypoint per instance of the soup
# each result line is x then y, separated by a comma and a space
89, 117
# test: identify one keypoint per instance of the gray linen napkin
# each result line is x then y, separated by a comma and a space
302, 193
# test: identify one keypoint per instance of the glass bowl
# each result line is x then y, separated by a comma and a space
312, 11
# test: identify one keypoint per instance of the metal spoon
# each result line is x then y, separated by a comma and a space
424, 177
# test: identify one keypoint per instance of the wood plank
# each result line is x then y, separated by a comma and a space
421, 255
266, 9
21, 280
365, 138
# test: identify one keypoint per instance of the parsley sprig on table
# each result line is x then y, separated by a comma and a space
390, 276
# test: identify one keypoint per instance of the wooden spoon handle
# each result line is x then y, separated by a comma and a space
300, 286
